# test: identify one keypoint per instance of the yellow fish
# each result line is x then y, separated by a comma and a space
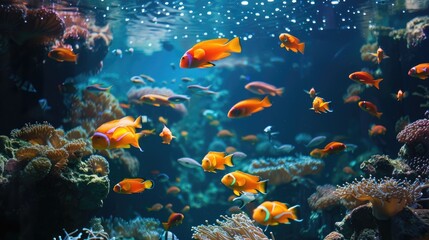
216, 161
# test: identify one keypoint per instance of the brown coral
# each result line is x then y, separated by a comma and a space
98, 165
38, 133
388, 196
323, 198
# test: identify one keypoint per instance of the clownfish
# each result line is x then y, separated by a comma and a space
274, 213
213, 161
117, 134
133, 185
203, 53
241, 182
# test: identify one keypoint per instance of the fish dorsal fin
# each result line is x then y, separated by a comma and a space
211, 41
248, 176
134, 179
199, 53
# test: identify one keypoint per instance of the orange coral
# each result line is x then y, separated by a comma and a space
27, 153
388, 196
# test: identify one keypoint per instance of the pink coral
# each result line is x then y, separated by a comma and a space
415, 132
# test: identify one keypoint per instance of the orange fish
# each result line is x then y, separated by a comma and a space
263, 88
133, 185
174, 220
291, 43
225, 133
203, 53
186, 209
365, 78
117, 134
173, 190
400, 95
163, 120
247, 107
216, 161
312, 92
370, 108
63, 55
330, 148
147, 132
420, 71
124, 105
351, 99
155, 208
274, 213
377, 130
250, 138
156, 100
241, 182
379, 55
349, 170
166, 135
319, 105
230, 149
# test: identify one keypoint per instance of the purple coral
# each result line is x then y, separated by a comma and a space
416, 132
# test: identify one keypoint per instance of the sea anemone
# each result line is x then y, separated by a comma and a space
98, 165
38, 133
388, 196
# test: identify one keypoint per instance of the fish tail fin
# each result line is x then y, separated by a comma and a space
234, 45
301, 47
136, 143
266, 102
378, 114
166, 226
262, 187
294, 214
138, 122
228, 160
377, 83
149, 184
279, 91
370, 133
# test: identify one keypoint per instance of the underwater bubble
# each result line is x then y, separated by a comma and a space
244, 3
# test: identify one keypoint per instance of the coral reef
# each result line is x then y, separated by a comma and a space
285, 169
90, 110
381, 166
323, 198
366, 52
388, 196
50, 171
416, 31
98, 165
236, 227
407, 224
137, 228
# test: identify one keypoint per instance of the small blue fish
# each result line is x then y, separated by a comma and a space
189, 162
162, 177
246, 198
350, 147
316, 141
44, 104
97, 87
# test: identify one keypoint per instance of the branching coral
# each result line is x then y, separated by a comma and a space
285, 169
388, 196
237, 227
